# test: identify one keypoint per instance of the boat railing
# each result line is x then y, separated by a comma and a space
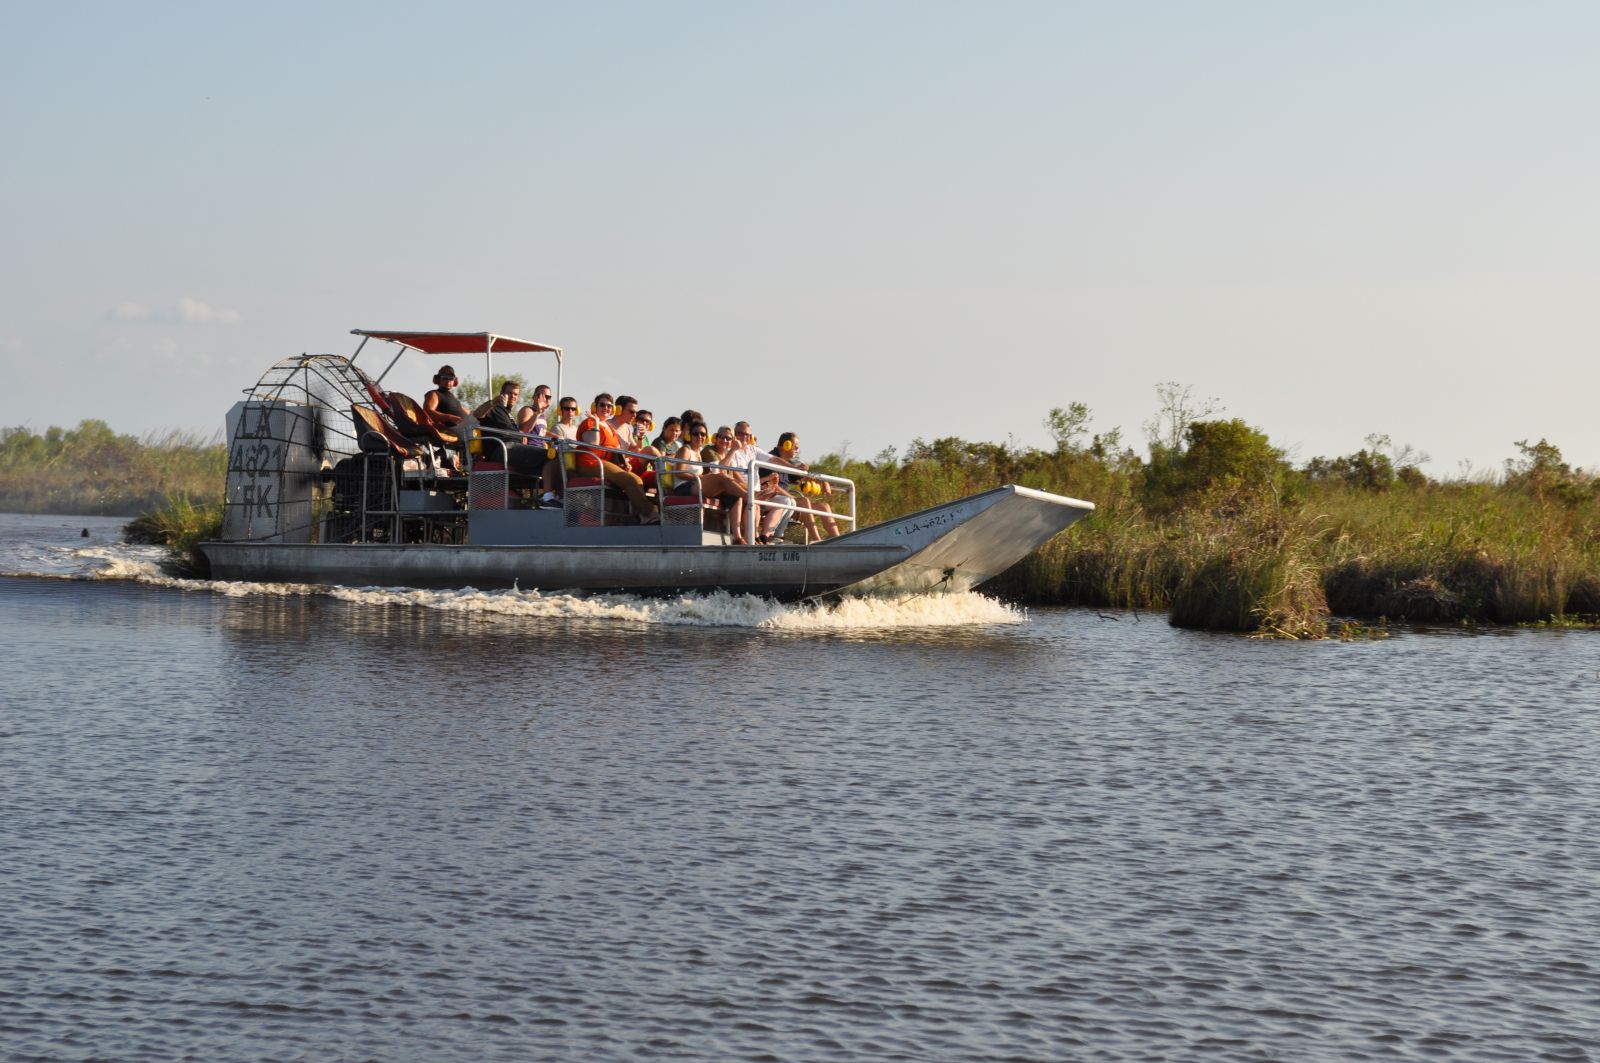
489, 488
783, 500
585, 504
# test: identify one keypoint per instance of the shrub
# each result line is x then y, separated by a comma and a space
1220, 458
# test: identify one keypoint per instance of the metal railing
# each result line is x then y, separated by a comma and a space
569, 456
787, 501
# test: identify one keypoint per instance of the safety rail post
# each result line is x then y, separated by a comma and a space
753, 476
503, 489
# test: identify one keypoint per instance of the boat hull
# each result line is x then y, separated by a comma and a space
783, 571
953, 547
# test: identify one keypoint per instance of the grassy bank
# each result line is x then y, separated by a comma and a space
1216, 528
91, 470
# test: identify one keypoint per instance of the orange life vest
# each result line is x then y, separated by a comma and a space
608, 438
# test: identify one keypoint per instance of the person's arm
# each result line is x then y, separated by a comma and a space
430, 403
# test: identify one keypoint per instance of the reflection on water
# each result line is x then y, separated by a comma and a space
301, 825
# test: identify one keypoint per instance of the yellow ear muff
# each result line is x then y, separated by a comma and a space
788, 446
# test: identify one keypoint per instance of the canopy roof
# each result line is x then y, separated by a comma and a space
459, 342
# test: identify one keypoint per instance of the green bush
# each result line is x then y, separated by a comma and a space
1221, 458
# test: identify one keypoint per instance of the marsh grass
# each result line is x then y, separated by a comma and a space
1462, 551
1282, 558
180, 525
1256, 571
93, 471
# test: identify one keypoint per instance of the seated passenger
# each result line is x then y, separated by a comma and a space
597, 432
531, 420
495, 418
441, 403
725, 489
789, 454
721, 440
670, 440
566, 427
643, 422
621, 420
496, 413
744, 455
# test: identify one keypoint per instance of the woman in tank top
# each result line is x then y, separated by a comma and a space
715, 485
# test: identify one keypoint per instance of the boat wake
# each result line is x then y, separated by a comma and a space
106, 560
95, 559
718, 609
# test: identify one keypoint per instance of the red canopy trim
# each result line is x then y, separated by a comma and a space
459, 342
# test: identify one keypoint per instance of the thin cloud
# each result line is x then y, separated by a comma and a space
194, 312
186, 311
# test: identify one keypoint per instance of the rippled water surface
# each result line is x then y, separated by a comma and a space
275, 823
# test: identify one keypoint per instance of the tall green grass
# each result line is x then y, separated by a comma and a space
92, 470
1279, 554
181, 525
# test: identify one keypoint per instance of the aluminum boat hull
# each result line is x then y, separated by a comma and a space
953, 547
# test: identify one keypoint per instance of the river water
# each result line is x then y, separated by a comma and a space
277, 823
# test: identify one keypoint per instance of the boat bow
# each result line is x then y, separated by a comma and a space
959, 545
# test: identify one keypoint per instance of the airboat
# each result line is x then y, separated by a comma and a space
334, 480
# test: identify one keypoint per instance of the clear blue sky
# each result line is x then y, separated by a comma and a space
864, 222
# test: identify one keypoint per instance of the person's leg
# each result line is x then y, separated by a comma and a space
732, 501
529, 461
775, 516
826, 512
730, 493
803, 515
550, 478
630, 485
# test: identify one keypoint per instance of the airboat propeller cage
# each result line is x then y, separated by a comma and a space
487, 344
294, 423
